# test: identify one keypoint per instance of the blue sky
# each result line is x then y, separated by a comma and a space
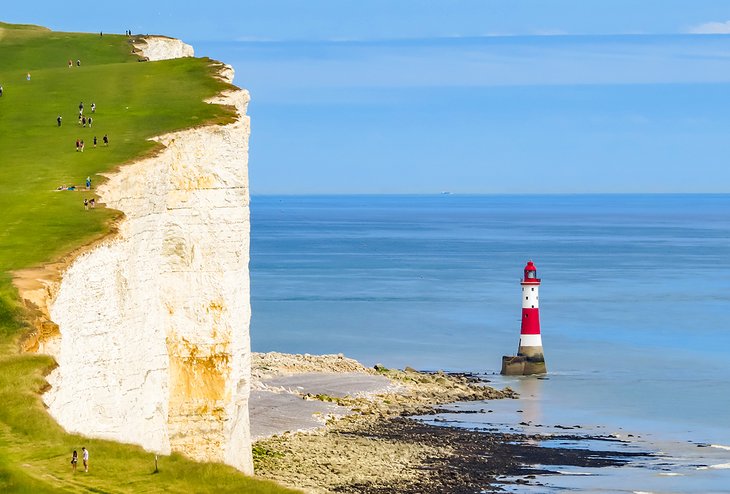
467, 96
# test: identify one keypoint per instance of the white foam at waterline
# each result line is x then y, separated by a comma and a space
720, 446
720, 466
563, 472
643, 492
671, 474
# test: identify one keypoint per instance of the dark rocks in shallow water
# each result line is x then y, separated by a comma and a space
467, 461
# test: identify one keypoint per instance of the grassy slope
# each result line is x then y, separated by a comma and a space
134, 101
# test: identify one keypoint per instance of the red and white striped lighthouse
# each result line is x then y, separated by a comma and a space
530, 358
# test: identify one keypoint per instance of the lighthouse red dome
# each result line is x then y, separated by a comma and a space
531, 273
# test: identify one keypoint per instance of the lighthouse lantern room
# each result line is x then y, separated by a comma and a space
529, 358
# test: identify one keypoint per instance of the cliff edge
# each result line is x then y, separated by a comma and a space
152, 339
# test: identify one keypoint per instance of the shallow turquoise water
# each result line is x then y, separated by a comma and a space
634, 299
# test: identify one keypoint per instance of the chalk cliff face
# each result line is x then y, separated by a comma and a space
162, 48
153, 322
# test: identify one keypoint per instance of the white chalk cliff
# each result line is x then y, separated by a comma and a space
154, 321
156, 48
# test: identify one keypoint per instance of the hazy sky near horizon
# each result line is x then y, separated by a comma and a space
478, 96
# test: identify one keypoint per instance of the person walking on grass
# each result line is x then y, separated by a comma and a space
86, 207
106, 140
93, 107
78, 145
92, 203
88, 120
58, 119
82, 145
85, 457
74, 460
1, 90
88, 183
94, 141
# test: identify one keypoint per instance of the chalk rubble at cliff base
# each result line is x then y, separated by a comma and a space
324, 447
373, 447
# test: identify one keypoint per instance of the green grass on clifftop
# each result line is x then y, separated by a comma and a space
134, 101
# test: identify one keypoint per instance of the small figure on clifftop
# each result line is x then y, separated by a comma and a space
78, 145
86, 207
88, 183
83, 121
94, 141
58, 119
27, 76
85, 458
70, 63
1, 90
81, 108
82, 145
93, 107
78, 63
89, 121
92, 203
74, 460
106, 140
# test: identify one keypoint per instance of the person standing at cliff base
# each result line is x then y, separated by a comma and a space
74, 460
85, 458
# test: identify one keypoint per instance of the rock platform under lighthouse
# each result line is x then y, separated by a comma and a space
530, 358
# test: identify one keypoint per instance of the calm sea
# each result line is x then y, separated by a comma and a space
634, 303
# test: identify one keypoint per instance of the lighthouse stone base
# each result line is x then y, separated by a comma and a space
522, 365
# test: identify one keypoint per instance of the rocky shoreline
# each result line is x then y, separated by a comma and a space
377, 448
